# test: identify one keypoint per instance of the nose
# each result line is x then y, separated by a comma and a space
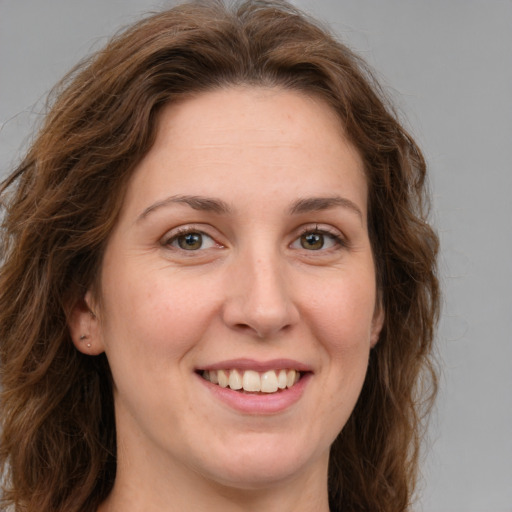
259, 297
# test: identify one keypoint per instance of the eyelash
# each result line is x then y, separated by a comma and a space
338, 240
183, 231
335, 236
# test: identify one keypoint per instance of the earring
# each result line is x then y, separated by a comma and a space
84, 337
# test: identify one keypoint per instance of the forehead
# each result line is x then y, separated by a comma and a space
221, 138
272, 115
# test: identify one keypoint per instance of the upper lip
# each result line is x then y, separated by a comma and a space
259, 366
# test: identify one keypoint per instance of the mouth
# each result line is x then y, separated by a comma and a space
253, 381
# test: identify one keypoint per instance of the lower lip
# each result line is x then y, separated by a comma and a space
248, 403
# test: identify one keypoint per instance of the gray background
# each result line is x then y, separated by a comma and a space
448, 65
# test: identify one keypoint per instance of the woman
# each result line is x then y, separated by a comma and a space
218, 287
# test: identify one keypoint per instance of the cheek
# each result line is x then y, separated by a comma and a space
344, 315
343, 320
156, 311
342, 324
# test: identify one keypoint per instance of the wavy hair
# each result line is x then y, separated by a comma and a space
58, 442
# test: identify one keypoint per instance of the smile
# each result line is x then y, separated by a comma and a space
251, 381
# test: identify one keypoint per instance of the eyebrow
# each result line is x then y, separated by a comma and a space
314, 204
205, 204
209, 204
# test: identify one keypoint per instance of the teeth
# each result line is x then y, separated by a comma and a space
281, 379
290, 378
222, 378
235, 380
214, 378
269, 382
253, 381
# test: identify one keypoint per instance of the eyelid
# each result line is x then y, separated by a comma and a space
335, 234
320, 228
175, 233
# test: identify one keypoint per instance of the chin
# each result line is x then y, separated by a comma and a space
264, 464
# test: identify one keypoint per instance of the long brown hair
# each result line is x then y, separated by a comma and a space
58, 445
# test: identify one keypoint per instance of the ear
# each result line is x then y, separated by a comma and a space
84, 326
377, 324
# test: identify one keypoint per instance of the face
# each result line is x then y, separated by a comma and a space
238, 296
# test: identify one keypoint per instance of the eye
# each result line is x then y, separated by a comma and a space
190, 241
316, 240
312, 241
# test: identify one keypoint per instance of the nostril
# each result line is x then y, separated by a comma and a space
260, 312
243, 327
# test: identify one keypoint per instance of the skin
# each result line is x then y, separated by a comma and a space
254, 289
